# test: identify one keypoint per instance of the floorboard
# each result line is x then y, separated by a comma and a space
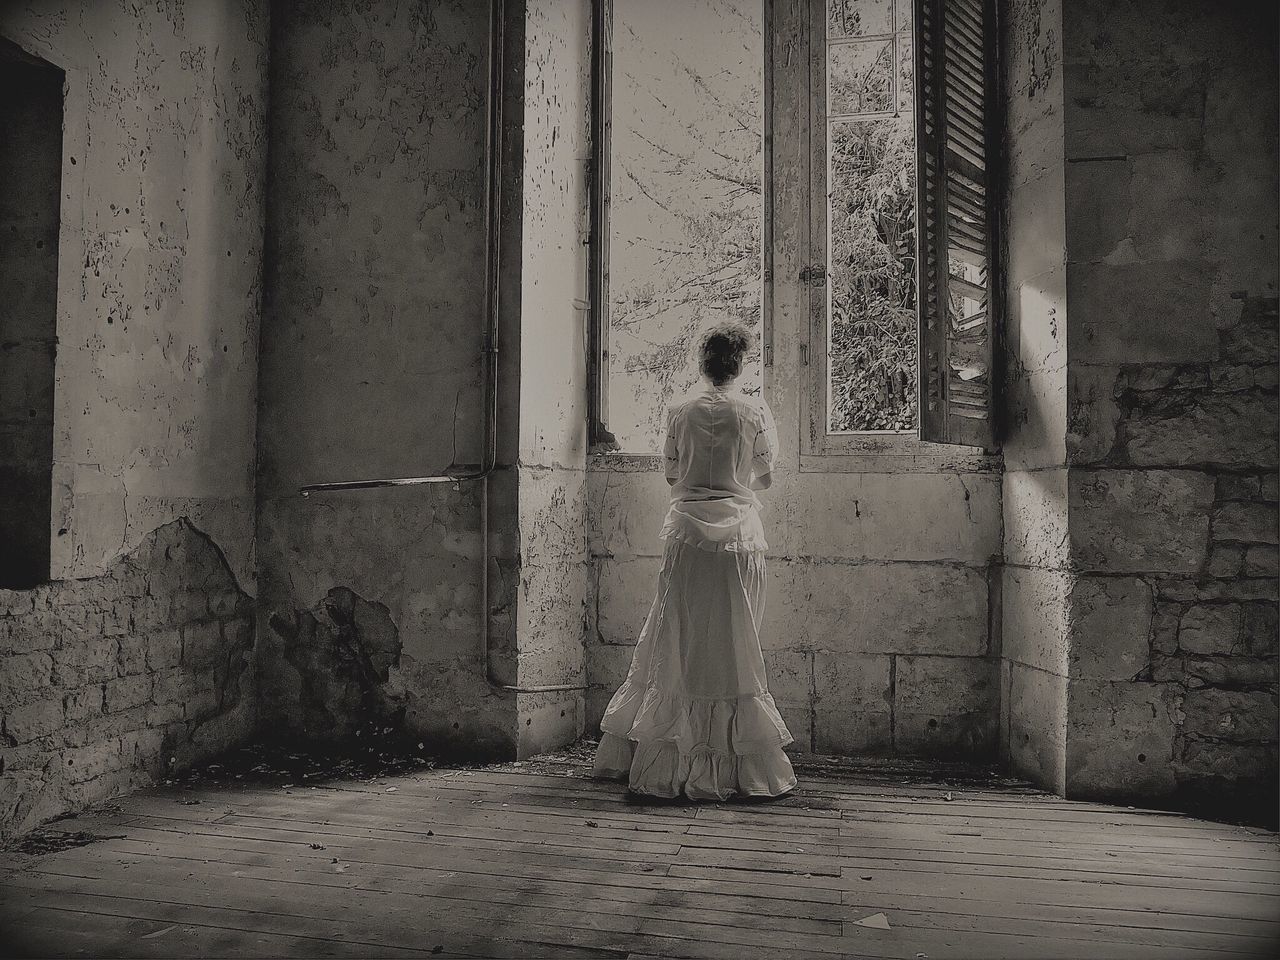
537, 860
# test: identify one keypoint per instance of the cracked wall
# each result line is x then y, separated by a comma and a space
371, 368
136, 652
1140, 488
1171, 178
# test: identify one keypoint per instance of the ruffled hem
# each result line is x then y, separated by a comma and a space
734, 726
661, 769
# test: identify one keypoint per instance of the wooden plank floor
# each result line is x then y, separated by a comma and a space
535, 860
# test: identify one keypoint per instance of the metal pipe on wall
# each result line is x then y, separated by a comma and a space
493, 289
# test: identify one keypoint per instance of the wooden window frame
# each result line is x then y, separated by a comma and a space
599, 436
818, 447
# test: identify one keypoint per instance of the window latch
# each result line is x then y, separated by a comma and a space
814, 274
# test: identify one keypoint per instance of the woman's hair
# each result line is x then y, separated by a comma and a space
723, 348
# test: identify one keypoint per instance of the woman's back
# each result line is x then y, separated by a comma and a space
716, 440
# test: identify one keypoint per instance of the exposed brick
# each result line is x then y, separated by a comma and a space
1230, 714
1262, 561
1231, 761
132, 658
94, 659
93, 760
24, 677
1261, 625
202, 644
33, 720
1212, 629
163, 649
83, 703
1232, 671
1246, 523
126, 692
1225, 560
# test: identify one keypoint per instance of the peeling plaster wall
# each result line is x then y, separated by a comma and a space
371, 367
1171, 183
133, 659
159, 270
552, 445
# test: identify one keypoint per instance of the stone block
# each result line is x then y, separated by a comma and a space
886, 516
24, 677
851, 704
1127, 313
790, 675
163, 649
1035, 518
1134, 521
946, 706
28, 633
1232, 671
33, 720
607, 665
80, 764
1223, 761
1168, 221
1212, 429
91, 659
83, 703
1246, 523
132, 658
1261, 626
1093, 413
1164, 626
1120, 739
1226, 560
1231, 714
124, 693
1098, 216
1110, 627
1262, 561
625, 592
1036, 413
1212, 629
876, 608
202, 644
1037, 718
1034, 617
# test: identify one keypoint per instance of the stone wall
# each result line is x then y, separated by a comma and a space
109, 682
134, 652
1140, 487
1171, 148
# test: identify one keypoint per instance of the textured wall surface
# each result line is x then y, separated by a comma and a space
134, 652
1037, 577
371, 367
552, 473
1171, 147
160, 269
110, 681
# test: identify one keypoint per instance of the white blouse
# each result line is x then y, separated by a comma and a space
717, 440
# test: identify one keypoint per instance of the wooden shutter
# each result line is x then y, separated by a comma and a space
955, 147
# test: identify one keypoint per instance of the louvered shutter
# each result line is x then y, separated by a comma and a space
955, 235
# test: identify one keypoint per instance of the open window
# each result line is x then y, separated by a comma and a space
898, 230
677, 224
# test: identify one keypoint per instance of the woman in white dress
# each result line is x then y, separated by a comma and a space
694, 716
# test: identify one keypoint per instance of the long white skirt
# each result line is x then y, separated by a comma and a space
694, 715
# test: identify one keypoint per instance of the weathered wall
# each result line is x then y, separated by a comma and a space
371, 367
552, 448
163, 155
110, 681
1036, 580
1171, 149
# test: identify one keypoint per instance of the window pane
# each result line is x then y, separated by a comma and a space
872, 319
686, 212
859, 18
860, 77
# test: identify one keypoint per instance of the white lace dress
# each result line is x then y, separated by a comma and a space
694, 716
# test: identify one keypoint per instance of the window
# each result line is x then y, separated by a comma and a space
896, 226
31, 170
900, 135
679, 219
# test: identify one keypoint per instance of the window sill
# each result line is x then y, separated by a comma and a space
625, 462
917, 458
